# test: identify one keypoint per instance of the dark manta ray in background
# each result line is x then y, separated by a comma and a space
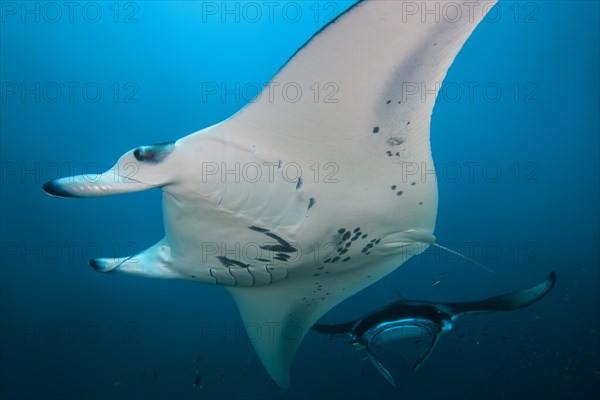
405, 319
359, 197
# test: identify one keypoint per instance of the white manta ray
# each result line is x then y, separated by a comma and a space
294, 206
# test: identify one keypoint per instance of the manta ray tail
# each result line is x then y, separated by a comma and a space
508, 302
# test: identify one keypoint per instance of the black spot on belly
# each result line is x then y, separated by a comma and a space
399, 193
388, 102
368, 247
282, 247
299, 183
257, 229
263, 260
228, 262
155, 153
420, 203
357, 230
413, 184
364, 236
346, 236
282, 257
311, 202
348, 244
394, 187
346, 259
376, 129
341, 230
335, 259
395, 141
343, 252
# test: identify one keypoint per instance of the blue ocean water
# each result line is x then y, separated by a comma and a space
515, 134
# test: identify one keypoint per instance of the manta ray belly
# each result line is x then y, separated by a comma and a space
399, 330
234, 220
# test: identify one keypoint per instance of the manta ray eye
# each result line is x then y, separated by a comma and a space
139, 154
155, 153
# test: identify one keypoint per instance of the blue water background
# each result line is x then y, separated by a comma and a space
68, 332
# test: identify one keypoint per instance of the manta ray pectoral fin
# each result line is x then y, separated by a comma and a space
510, 301
140, 169
151, 263
386, 374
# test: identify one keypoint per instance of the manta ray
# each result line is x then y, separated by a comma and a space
295, 203
406, 319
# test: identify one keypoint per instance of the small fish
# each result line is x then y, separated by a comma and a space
116, 383
198, 359
197, 382
221, 377
154, 376
436, 283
